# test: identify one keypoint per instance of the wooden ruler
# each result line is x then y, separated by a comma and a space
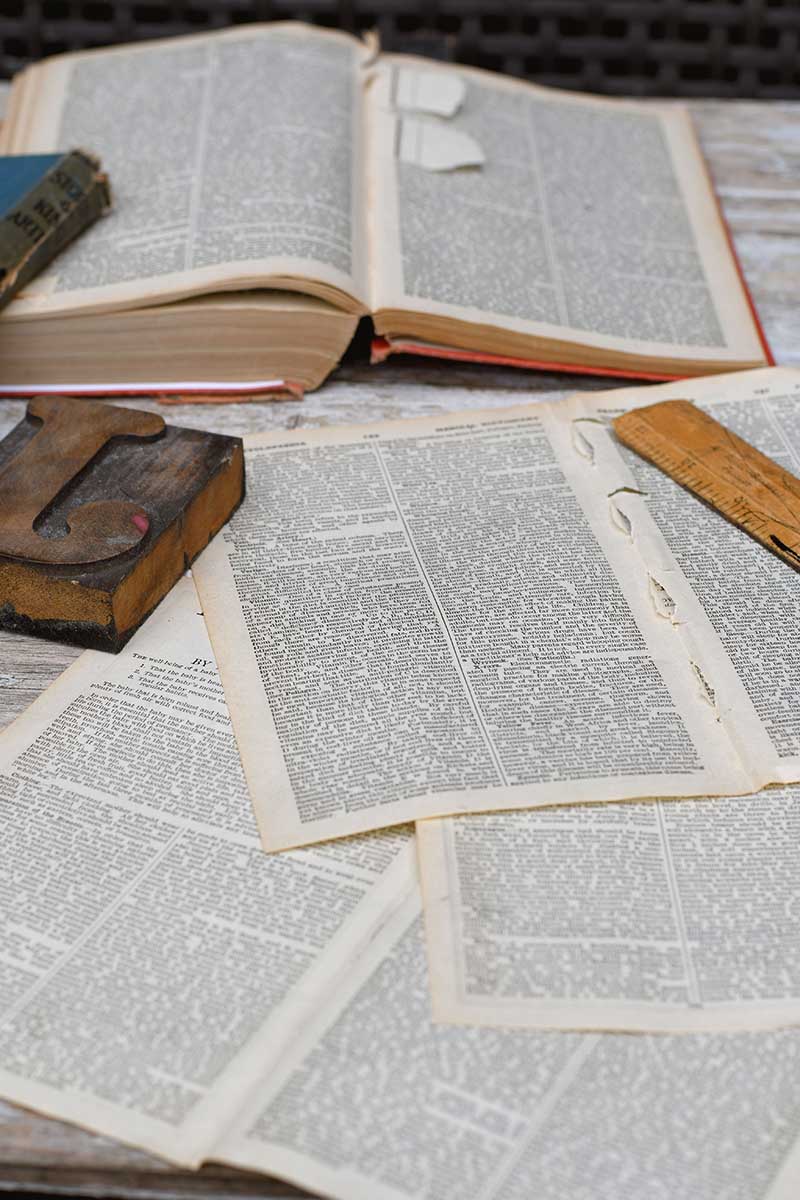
733, 477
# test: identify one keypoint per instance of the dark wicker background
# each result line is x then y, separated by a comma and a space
640, 47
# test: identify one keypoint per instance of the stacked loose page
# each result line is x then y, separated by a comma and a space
511, 631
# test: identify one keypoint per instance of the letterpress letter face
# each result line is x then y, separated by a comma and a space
72, 433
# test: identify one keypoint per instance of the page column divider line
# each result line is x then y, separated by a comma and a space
90, 930
547, 228
570, 1071
444, 622
695, 999
200, 155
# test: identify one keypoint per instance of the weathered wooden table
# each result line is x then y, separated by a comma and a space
754, 153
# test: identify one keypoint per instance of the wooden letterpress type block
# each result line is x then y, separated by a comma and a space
101, 510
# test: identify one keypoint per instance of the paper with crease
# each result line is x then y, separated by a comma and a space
437, 92
440, 616
660, 917
373, 1101
436, 147
153, 960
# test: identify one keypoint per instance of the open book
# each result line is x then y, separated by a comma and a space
470, 214
167, 983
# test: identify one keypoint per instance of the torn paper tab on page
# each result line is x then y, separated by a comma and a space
438, 616
437, 92
436, 147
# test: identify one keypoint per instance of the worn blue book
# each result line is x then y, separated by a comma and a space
46, 200
21, 172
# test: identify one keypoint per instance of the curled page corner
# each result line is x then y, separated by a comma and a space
435, 147
440, 93
372, 45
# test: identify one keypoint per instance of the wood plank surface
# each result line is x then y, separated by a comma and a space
753, 150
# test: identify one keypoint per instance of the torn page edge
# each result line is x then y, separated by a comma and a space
669, 592
619, 518
665, 586
440, 93
371, 39
434, 146
707, 690
580, 442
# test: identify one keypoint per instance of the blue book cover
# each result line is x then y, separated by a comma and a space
46, 200
21, 172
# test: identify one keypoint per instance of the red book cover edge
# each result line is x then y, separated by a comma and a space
382, 347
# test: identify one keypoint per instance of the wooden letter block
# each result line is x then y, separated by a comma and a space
101, 510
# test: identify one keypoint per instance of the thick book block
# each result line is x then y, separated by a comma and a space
46, 200
101, 511
600, 249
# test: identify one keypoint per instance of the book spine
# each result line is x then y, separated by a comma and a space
67, 199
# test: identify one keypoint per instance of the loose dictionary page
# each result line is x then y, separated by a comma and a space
448, 615
375, 1102
659, 916
153, 960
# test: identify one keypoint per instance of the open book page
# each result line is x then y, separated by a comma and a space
235, 160
591, 221
440, 616
660, 917
153, 960
374, 1102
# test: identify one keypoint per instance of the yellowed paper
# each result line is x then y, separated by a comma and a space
375, 1102
599, 213
440, 93
655, 917
433, 146
153, 960
236, 161
661, 917
157, 892
444, 616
